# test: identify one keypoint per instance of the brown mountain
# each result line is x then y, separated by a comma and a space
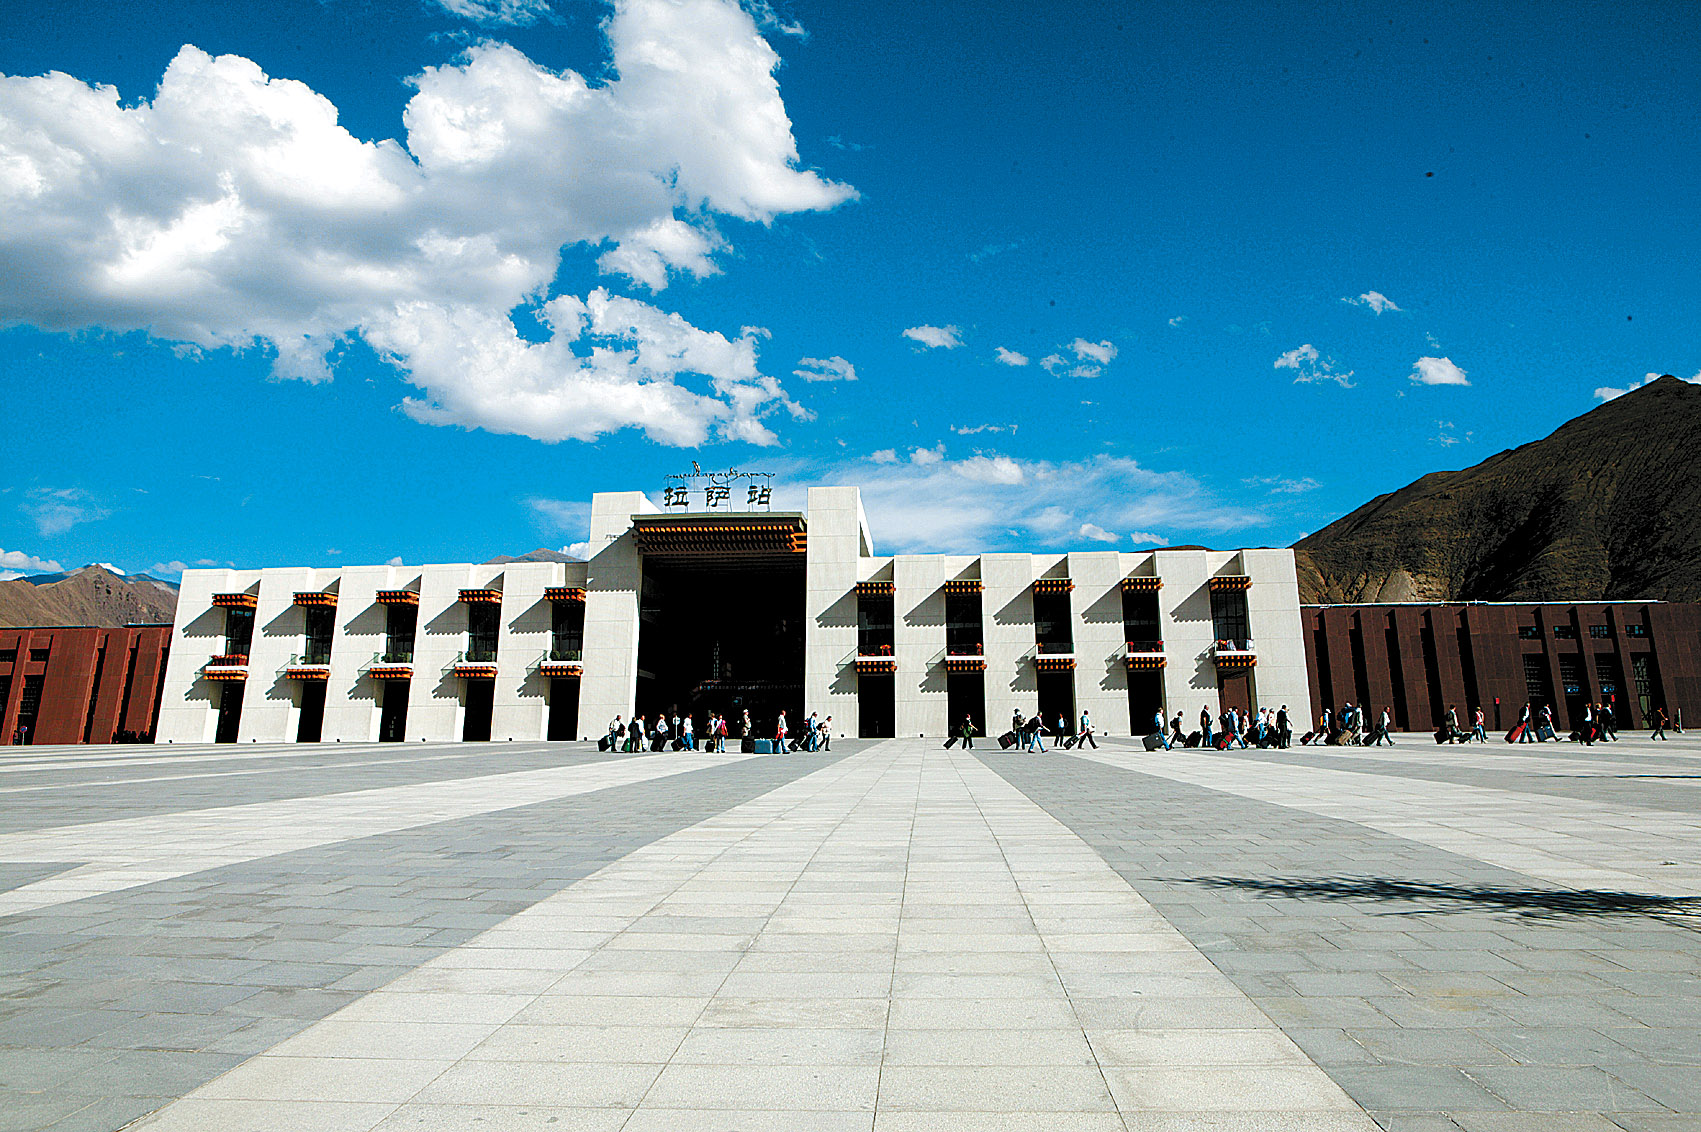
92, 595
1607, 507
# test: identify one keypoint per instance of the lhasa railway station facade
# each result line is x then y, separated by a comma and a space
730, 611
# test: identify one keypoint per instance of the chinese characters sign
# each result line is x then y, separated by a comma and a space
719, 491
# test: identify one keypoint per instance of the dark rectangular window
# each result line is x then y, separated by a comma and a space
1529, 633
1565, 632
483, 619
1571, 676
874, 624
320, 623
28, 707
1636, 630
1535, 680
1229, 621
1642, 672
567, 631
962, 628
38, 656
1608, 676
1140, 624
1052, 630
1600, 632
238, 632
8, 656
398, 638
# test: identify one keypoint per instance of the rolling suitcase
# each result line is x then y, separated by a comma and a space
1516, 733
747, 745
1192, 739
1154, 741
762, 746
679, 744
1223, 741
603, 744
1441, 735
1007, 740
951, 742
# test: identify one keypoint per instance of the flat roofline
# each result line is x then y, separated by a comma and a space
1581, 601
729, 516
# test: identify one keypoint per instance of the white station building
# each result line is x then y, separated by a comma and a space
716, 609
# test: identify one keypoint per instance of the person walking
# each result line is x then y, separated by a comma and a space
968, 732
1284, 728
827, 734
1477, 732
1527, 720
1177, 735
1382, 735
1205, 727
1163, 728
635, 735
1085, 734
1036, 732
616, 732
1660, 722
1609, 724
1017, 722
780, 735
744, 731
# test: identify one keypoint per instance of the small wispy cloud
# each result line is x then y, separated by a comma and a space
1437, 371
570, 515
936, 337
1009, 357
1082, 359
848, 146
964, 430
1147, 538
1097, 533
987, 251
1309, 366
1279, 485
1375, 300
767, 19
1178, 320
508, 13
884, 456
834, 368
1447, 436
55, 510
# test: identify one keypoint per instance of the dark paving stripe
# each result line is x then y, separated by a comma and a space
115, 1005
1438, 990
89, 794
1656, 788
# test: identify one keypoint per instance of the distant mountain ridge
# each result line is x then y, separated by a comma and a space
1607, 507
91, 595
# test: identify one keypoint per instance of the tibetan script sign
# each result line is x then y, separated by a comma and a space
716, 490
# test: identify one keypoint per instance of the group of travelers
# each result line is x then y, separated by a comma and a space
1264, 728
679, 732
1030, 731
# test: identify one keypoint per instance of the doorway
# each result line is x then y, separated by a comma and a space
1145, 702
480, 703
563, 709
312, 721
393, 711
230, 711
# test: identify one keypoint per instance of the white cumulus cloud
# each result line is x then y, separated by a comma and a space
1437, 371
1608, 393
1098, 534
1009, 357
884, 456
15, 564
1147, 538
936, 337
233, 210
1375, 300
1080, 358
834, 368
1308, 366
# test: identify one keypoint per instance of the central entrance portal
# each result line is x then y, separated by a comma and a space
721, 619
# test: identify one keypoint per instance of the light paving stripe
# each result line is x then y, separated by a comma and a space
128, 852
1567, 841
900, 941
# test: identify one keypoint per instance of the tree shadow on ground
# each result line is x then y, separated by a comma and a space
1540, 903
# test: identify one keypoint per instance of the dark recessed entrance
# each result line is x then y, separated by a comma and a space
480, 703
230, 711
563, 709
312, 719
1145, 701
721, 618
393, 709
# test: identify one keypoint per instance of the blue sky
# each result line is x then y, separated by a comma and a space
341, 281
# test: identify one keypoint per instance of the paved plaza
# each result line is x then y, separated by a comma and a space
887, 936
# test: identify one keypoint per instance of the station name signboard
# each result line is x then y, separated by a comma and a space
731, 490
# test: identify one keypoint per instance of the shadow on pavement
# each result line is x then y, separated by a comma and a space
1532, 902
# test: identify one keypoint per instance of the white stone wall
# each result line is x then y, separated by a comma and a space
840, 555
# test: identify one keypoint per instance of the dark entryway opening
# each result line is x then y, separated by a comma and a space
393, 711
480, 703
312, 721
875, 697
1057, 699
1145, 701
29, 707
724, 636
966, 694
230, 711
563, 709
